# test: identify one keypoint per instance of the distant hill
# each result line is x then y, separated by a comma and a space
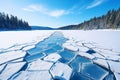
41, 28
109, 21
10, 22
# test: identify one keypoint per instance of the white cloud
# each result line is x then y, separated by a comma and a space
57, 13
26, 9
33, 8
95, 3
46, 11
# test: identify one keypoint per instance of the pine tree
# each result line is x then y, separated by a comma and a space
12, 23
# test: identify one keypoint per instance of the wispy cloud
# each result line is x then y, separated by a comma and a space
57, 13
46, 11
94, 4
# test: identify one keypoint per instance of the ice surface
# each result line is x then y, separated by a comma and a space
52, 57
45, 53
83, 49
10, 70
90, 45
50, 51
70, 47
79, 76
77, 63
28, 47
39, 65
56, 38
94, 71
111, 56
10, 38
86, 55
4, 57
34, 50
114, 66
2, 67
101, 62
109, 39
34, 57
18, 60
97, 55
57, 47
65, 57
60, 70
117, 76
110, 77
32, 75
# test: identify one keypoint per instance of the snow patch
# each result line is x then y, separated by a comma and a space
60, 70
52, 57
5, 57
117, 76
2, 67
11, 69
114, 66
70, 47
28, 47
101, 62
83, 49
32, 75
86, 55
39, 65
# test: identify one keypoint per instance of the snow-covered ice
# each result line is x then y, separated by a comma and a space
29, 47
86, 55
2, 67
83, 49
39, 65
18, 60
101, 62
99, 55
61, 71
117, 76
52, 57
97, 47
104, 38
32, 75
114, 66
70, 45
8, 56
10, 70
10, 38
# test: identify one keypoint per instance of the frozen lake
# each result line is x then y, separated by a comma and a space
62, 55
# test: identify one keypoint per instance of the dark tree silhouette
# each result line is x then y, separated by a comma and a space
109, 21
12, 23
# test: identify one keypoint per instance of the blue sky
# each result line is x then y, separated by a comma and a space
57, 13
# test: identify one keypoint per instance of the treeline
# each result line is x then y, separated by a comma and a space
10, 22
109, 21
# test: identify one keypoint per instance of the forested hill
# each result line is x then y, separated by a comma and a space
109, 21
10, 22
